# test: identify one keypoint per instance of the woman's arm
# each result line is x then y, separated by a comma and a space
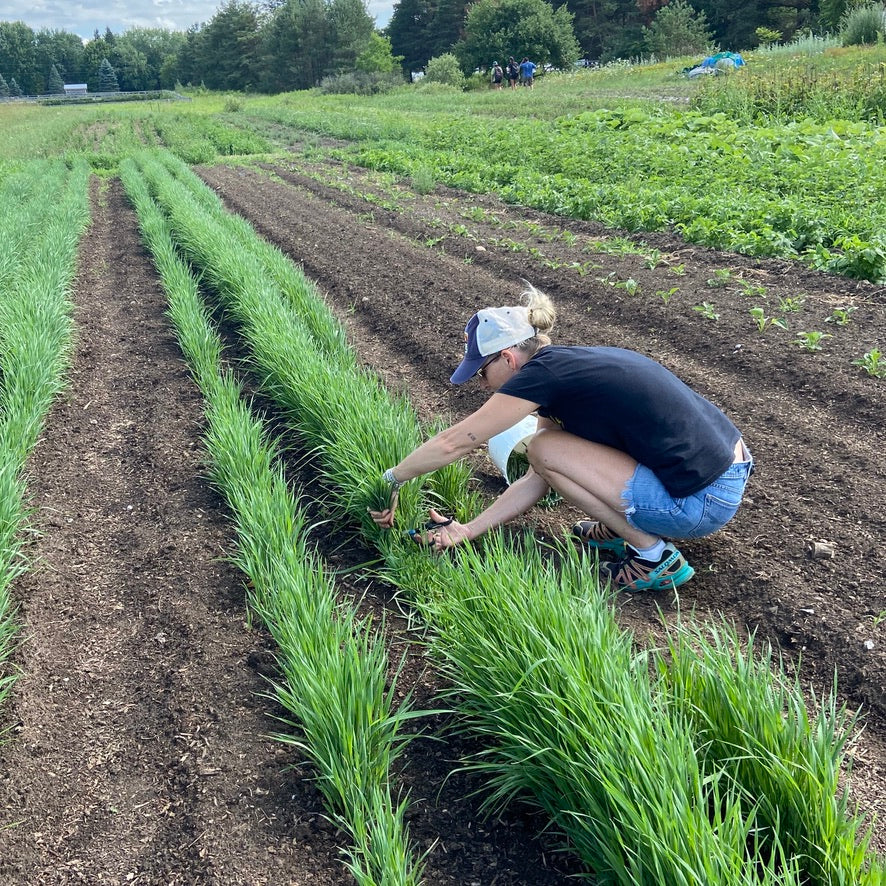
518, 498
497, 414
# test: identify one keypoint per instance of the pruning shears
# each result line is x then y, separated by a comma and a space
417, 535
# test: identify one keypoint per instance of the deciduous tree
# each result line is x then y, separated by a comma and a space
532, 28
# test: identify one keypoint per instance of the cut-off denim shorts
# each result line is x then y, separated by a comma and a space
651, 508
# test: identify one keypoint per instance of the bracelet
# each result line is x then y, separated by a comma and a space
390, 479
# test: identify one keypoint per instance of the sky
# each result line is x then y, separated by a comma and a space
84, 18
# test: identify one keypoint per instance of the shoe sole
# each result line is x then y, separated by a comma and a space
617, 546
660, 583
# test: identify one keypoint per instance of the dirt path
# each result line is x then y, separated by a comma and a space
137, 748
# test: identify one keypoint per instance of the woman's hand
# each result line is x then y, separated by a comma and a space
446, 536
385, 518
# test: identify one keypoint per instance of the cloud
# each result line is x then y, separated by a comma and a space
174, 15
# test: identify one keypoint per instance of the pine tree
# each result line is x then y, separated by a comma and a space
54, 84
14, 89
107, 78
4, 87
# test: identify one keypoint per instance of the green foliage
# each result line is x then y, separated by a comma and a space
361, 83
811, 341
4, 87
864, 24
677, 29
767, 36
498, 29
377, 58
107, 77
54, 84
445, 69
873, 363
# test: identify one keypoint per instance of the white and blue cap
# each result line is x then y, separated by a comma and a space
489, 331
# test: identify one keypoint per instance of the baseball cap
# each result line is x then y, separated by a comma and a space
488, 331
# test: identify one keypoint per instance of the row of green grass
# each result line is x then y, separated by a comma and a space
44, 212
333, 664
632, 755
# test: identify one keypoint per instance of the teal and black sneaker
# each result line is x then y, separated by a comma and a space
632, 573
600, 537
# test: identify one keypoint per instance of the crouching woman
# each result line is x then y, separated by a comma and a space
623, 439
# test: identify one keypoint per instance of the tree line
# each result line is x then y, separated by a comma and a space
284, 45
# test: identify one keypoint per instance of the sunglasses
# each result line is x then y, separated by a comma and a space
481, 372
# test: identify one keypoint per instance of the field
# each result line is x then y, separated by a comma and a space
137, 746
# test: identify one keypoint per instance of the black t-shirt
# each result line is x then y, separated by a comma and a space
624, 400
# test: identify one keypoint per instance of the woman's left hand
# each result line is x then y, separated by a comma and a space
445, 536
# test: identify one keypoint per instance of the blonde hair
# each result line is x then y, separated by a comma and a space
541, 314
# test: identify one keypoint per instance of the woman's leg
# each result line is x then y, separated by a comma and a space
590, 476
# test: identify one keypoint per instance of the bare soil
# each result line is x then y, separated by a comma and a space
137, 744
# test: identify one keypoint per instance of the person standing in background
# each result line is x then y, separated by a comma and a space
513, 72
527, 72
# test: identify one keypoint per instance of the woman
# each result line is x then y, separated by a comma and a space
513, 72
619, 436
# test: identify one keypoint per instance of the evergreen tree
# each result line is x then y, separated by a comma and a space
228, 56
4, 87
54, 84
830, 13
677, 29
14, 89
447, 25
350, 27
409, 32
107, 77
607, 29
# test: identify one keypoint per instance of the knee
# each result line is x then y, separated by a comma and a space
540, 447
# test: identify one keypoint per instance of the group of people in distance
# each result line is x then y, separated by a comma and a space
514, 72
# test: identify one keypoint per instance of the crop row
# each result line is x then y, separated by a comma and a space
333, 664
798, 190
694, 764
44, 212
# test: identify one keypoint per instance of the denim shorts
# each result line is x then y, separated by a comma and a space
651, 508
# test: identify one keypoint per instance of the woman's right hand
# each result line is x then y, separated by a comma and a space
385, 518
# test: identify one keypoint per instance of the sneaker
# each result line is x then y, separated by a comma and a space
600, 537
632, 573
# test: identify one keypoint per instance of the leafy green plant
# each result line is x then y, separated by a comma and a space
811, 341
791, 303
678, 270
667, 294
752, 290
873, 363
722, 277
631, 286
841, 316
763, 322
706, 309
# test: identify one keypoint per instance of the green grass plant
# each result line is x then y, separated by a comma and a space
756, 728
44, 213
334, 668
